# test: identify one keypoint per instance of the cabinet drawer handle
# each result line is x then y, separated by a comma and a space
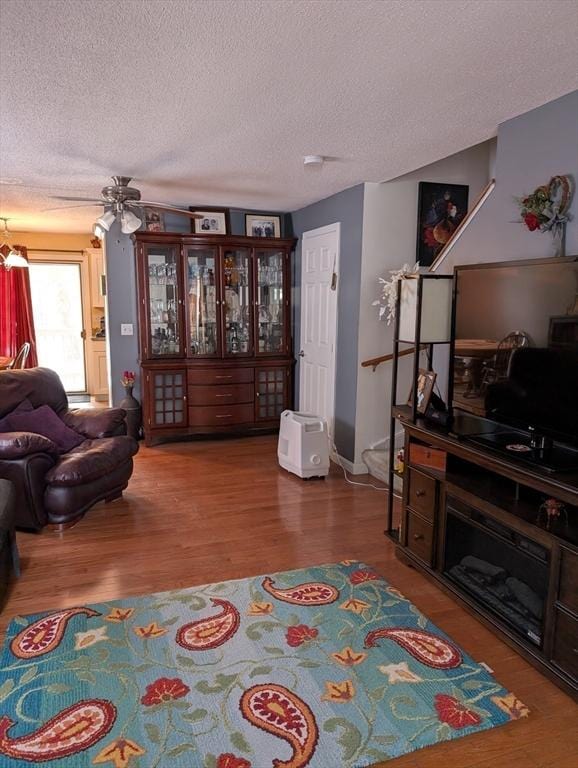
225, 416
228, 395
223, 377
420, 493
418, 536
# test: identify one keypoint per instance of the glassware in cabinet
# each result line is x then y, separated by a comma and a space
162, 274
270, 301
237, 302
202, 304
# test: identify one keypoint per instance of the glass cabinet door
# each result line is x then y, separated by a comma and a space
168, 397
237, 302
202, 306
270, 318
272, 398
162, 274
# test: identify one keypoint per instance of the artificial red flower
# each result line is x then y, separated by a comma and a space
454, 713
363, 574
531, 221
164, 689
299, 634
428, 236
230, 761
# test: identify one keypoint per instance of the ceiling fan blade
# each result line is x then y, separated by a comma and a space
65, 207
163, 207
78, 199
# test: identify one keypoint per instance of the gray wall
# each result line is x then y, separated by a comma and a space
532, 148
347, 208
121, 302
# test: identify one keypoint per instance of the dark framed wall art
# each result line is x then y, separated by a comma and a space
440, 210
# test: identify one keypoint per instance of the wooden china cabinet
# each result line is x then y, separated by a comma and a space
215, 333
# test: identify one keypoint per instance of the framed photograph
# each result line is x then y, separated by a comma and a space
440, 209
262, 225
154, 221
425, 385
214, 221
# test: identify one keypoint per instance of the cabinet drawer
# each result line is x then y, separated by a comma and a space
422, 494
568, 591
420, 537
221, 415
220, 376
225, 394
565, 652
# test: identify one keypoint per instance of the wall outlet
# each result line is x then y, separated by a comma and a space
126, 329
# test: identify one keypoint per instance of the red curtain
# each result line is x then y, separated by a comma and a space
16, 320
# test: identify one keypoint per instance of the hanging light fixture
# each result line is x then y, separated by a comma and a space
129, 222
14, 258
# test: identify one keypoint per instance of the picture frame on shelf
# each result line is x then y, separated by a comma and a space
262, 225
154, 220
440, 210
425, 385
214, 221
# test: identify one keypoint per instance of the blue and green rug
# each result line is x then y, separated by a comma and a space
326, 666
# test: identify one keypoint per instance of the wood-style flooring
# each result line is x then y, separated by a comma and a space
211, 511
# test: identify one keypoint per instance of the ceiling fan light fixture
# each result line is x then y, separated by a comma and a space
106, 221
129, 222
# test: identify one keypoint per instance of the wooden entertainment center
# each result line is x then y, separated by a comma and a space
483, 502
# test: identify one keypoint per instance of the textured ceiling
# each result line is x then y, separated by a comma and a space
216, 102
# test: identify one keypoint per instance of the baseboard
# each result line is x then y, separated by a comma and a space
359, 468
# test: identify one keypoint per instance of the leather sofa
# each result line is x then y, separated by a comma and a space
55, 488
8, 550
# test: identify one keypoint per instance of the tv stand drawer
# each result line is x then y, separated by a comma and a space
420, 537
422, 494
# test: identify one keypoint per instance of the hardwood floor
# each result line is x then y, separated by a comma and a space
211, 511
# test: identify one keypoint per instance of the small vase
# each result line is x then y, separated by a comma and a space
133, 413
559, 240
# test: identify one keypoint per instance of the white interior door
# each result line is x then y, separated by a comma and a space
319, 261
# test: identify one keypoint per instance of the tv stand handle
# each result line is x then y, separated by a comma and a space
420, 493
418, 536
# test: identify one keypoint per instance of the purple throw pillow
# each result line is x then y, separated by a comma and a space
25, 405
43, 421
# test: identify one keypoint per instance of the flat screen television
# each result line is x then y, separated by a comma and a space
514, 358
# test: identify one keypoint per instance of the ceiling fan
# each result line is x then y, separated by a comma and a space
120, 200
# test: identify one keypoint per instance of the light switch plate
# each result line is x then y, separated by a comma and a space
126, 329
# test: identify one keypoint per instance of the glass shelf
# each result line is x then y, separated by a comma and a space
270, 302
202, 279
164, 301
237, 302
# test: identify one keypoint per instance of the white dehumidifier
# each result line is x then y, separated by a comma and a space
303, 444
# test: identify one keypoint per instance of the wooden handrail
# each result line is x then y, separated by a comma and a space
375, 361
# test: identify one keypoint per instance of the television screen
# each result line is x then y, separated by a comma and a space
515, 345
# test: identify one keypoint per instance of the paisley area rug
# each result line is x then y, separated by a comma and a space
326, 667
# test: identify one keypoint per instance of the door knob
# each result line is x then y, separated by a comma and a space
301, 353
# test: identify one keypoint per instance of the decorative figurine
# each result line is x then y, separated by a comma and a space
551, 511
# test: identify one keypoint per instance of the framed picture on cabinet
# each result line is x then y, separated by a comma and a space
262, 225
154, 221
213, 221
425, 385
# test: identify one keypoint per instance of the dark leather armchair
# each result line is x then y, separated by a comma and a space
53, 488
